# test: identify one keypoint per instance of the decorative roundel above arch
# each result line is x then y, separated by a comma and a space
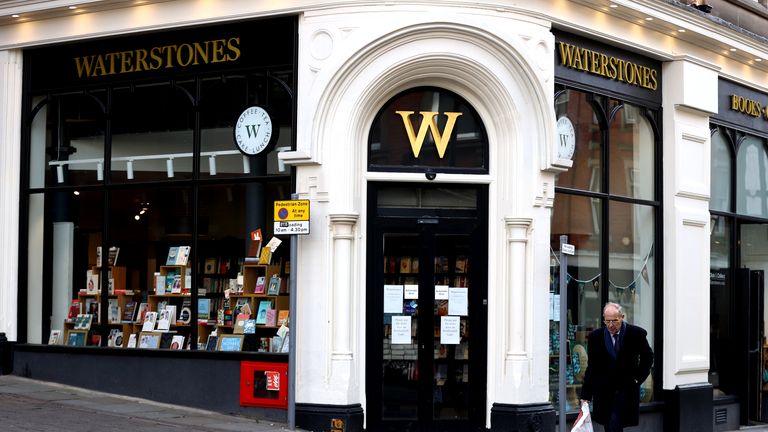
428, 129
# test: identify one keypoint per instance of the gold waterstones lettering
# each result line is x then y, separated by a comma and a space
614, 68
159, 57
748, 106
429, 121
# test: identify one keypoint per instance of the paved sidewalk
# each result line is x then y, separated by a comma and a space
31, 405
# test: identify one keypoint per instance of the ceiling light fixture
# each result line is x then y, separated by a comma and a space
649, 18
681, 30
758, 59
72, 7
733, 49
15, 16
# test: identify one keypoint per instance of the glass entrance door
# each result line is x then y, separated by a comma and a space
427, 314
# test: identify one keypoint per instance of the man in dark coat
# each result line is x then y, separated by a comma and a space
619, 360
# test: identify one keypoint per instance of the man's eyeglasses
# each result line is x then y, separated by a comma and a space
612, 321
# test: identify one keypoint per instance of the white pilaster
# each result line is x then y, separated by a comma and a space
10, 174
689, 97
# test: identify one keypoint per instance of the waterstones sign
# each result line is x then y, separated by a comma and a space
749, 107
165, 55
157, 57
607, 68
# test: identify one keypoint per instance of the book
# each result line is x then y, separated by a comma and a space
183, 255
259, 288
255, 246
203, 309
92, 283
74, 309
266, 255
177, 342
173, 253
159, 284
150, 319
176, 288
249, 327
163, 321
83, 322
113, 313
240, 323
271, 319
274, 285
210, 266
129, 310
112, 338
185, 315
171, 313
405, 264
53, 339
132, 341
95, 340
461, 264
141, 313
261, 313
282, 317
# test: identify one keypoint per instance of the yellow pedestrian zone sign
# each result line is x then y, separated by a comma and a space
291, 217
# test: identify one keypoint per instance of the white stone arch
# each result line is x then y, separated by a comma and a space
508, 78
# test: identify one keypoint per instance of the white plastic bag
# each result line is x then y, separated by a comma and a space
584, 420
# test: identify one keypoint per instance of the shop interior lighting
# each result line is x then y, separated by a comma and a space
212, 164
15, 16
169, 167
758, 59
169, 157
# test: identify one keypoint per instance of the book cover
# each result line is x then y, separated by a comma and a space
76, 338
173, 253
113, 313
210, 266
203, 309
271, 319
53, 339
240, 323
159, 284
259, 288
249, 327
182, 256
177, 342
282, 317
150, 319
405, 264
141, 313
266, 255
185, 315
74, 309
171, 313
461, 264
176, 289
132, 341
163, 321
112, 337
93, 282
274, 285
129, 310
261, 313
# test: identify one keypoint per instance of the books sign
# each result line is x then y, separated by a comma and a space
291, 217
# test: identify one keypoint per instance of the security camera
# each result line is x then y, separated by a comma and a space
430, 175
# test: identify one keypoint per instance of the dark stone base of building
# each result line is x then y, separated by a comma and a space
519, 418
323, 418
688, 408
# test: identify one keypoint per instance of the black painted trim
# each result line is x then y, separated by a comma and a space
533, 417
320, 418
688, 408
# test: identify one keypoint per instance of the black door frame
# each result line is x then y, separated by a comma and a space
427, 222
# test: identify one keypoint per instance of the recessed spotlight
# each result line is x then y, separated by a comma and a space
72, 7
15, 16
758, 59
681, 30
76, 192
649, 18
137, 217
613, 5
733, 49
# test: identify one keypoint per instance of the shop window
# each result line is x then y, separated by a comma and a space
67, 140
607, 206
751, 177
722, 166
152, 133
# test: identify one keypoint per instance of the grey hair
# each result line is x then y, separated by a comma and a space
616, 306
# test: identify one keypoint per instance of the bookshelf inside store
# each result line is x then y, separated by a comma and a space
241, 305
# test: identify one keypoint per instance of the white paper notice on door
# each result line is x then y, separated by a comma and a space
449, 330
457, 301
411, 292
401, 329
441, 292
393, 299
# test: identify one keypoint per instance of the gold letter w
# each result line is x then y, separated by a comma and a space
428, 120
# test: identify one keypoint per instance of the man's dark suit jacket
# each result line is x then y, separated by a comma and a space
610, 374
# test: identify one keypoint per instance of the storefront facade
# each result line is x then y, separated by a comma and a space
465, 136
